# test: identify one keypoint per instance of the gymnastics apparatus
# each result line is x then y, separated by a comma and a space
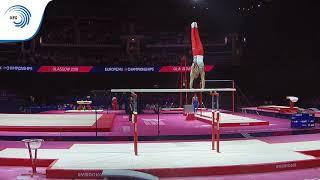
197, 69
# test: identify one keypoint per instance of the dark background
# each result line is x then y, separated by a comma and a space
279, 56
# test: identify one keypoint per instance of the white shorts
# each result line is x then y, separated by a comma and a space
198, 59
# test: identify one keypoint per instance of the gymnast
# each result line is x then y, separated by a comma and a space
197, 67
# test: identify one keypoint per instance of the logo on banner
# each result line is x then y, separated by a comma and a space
20, 20
17, 68
19, 15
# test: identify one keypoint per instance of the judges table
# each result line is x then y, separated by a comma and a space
84, 105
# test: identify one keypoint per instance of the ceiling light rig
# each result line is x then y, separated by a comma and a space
252, 7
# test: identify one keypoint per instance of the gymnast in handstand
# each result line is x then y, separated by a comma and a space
197, 67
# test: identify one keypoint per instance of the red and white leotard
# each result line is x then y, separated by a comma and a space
197, 48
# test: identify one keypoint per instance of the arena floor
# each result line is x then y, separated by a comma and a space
187, 158
248, 153
113, 124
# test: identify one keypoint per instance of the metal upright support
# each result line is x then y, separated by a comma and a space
33, 144
135, 132
218, 132
34, 170
212, 130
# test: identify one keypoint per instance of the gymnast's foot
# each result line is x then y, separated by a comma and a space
194, 25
